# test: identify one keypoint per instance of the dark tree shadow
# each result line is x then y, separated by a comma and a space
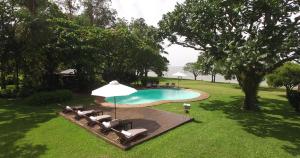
150, 125
276, 119
281, 95
267, 89
15, 122
196, 121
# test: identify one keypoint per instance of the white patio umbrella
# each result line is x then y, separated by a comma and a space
113, 89
179, 74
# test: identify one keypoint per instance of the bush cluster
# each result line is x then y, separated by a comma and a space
294, 99
44, 98
151, 80
119, 75
8, 93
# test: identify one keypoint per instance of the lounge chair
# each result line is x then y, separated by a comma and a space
93, 120
154, 85
85, 114
148, 85
167, 84
69, 109
127, 136
106, 126
173, 85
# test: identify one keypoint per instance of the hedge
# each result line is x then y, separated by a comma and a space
151, 80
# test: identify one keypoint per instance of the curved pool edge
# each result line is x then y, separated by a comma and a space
203, 96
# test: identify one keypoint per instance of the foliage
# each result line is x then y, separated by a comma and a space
8, 93
71, 7
294, 99
148, 55
45, 98
287, 75
151, 80
208, 66
119, 75
251, 38
193, 68
99, 12
40, 38
8, 44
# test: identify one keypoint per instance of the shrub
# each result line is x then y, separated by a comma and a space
44, 98
145, 80
10, 80
294, 99
25, 92
126, 77
7, 93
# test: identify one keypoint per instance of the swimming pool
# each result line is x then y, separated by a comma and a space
154, 95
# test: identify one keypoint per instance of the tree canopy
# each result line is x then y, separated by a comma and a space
192, 68
287, 75
41, 38
251, 38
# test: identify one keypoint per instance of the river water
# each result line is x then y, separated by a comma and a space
219, 78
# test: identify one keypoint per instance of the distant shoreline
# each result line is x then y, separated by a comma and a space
219, 78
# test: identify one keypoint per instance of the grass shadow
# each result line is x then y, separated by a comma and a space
276, 119
15, 122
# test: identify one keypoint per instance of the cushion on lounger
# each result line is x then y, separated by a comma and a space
106, 124
103, 117
136, 131
93, 118
114, 122
80, 113
68, 108
127, 134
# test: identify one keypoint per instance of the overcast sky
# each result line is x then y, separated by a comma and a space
152, 11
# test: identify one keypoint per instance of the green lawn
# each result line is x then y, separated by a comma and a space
220, 129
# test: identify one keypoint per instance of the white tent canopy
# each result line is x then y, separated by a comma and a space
179, 74
113, 89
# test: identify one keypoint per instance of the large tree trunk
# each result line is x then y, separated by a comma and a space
2, 78
3, 84
146, 73
17, 80
250, 102
213, 77
249, 83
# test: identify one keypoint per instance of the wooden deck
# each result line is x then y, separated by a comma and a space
156, 122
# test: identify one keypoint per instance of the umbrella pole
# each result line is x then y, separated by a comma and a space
115, 108
178, 82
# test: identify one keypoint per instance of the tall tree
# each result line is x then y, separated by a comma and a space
149, 56
287, 75
70, 7
192, 68
8, 47
99, 12
252, 38
208, 66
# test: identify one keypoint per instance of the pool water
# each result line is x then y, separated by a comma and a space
154, 95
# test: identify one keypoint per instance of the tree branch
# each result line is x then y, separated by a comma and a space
281, 62
187, 45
